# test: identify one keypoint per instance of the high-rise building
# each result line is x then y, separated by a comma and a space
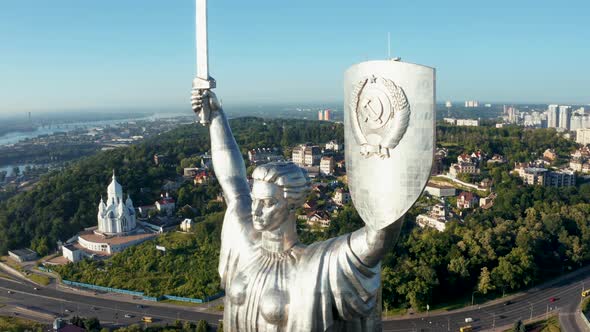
512, 115
320, 115
565, 113
448, 104
552, 116
327, 116
583, 136
471, 103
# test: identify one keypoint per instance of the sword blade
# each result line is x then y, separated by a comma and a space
202, 47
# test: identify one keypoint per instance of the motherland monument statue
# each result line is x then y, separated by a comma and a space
271, 280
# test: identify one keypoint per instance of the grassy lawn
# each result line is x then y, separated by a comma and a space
441, 180
395, 312
8, 261
185, 304
18, 324
40, 279
545, 325
549, 325
5, 276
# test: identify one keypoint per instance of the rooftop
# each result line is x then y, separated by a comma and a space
92, 237
23, 252
535, 170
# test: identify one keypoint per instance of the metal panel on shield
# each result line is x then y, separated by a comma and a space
388, 137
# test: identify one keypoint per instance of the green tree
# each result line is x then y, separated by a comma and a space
484, 284
202, 326
92, 324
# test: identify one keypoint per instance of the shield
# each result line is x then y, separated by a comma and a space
389, 123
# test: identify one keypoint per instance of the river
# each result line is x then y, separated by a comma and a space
15, 137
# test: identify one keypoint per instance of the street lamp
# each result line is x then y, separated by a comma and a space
531, 318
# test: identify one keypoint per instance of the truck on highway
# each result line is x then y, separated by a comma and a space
467, 328
586, 293
146, 319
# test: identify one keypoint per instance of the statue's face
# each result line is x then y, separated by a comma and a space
269, 206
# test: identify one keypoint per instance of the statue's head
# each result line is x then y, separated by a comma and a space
279, 188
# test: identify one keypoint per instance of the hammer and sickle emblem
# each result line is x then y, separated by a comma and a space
372, 113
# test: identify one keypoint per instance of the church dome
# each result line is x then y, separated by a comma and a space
115, 189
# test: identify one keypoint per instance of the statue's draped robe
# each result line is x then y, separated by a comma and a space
321, 287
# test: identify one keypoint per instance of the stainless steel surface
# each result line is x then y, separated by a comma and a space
389, 137
273, 282
202, 82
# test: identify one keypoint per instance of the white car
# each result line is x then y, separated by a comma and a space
128, 316
468, 320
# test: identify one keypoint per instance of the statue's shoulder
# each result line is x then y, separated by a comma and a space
328, 246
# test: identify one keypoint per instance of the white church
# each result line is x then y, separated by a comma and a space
117, 228
116, 216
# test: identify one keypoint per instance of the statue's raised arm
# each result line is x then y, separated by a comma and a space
228, 163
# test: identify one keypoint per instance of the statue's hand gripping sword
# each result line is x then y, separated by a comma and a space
203, 82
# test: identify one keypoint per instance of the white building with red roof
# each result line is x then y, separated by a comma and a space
166, 204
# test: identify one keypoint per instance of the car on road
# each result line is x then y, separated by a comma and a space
9, 292
35, 288
139, 306
128, 316
552, 299
467, 328
68, 310
508, 302
468, 320
586, 293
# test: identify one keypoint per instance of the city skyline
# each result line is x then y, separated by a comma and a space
140, 55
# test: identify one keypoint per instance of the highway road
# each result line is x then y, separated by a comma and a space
49, 301
559, 297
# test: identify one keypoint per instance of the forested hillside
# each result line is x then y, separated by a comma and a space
530, 234
65, 202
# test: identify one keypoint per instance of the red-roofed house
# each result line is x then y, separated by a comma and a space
467, 200
201, 177
166, 204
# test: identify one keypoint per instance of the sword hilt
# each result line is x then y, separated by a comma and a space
204, 111
204, 84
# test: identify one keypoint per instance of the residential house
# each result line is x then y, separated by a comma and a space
341, 197
549, 155
166, 204
261, 156
467, 200
306, 155
487, 202
327, 166
436, 218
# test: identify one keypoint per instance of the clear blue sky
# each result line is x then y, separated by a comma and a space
132, 54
